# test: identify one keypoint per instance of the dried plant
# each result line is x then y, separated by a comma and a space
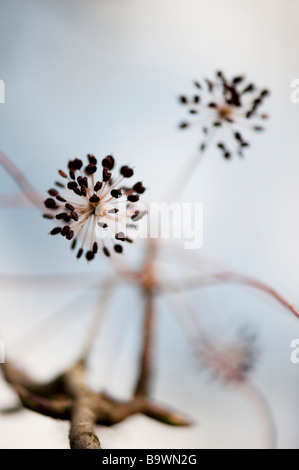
82, 204
223, 106
89, 208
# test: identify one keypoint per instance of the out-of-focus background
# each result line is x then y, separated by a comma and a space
103, 76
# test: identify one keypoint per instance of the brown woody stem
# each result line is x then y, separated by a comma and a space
83, 414
145, 367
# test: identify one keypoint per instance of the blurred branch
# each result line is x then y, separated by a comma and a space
96, 321
32, 195
148, 284
72, 281
14, 200
68, 397
203, 347
264, 410
146, 366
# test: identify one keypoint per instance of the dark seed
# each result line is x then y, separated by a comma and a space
102, 225
238, 79
106, 175
72, 174
249, 88
98, 186
78, 191
126, 171
55, 231
61, 215
138, 215
72, 184
139, 188
50, 203
94, 198
133, 198
116, 193
106, 251
74, 216
89, 255
53, 192
82, 181
77, 164
70, 235
65, 230
90, 169
118, 248
183, 125
108, 162
92, 159
120, 236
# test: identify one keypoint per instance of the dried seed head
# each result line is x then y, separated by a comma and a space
91, 208
231, 361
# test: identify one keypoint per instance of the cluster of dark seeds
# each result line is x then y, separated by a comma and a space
84, 201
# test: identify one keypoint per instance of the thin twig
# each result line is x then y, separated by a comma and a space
264, 411
33, 196
195, 282
56, 281
181, 179
96, 321
235, 377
